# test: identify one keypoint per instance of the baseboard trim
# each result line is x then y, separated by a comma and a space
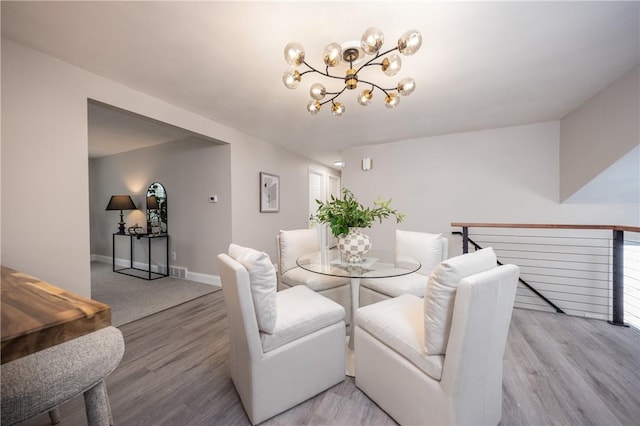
198, 277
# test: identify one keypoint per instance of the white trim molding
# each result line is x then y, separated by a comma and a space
197, 277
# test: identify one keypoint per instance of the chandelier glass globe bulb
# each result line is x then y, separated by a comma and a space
391, 101
294, 53
406, 86
313, 106
365, 97
317, 91
332, 54
391, 65
410, 42
372, 40
291, 78
337, 109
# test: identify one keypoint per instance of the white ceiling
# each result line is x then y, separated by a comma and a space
482, 64
112, 131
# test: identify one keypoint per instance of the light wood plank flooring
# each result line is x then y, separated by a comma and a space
558, 370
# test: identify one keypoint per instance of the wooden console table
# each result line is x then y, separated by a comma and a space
36, 315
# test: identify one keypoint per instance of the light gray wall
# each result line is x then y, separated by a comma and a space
498, 175
190, 170
250, 227
599, 132
44, 158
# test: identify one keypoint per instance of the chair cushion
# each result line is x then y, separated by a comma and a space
294, 244
393, 287
301, 311
427, 248
441, 292
398, 323
316, 282
263, 282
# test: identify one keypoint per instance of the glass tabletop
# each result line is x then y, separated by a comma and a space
375, 264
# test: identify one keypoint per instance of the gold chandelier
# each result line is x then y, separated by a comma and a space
370, 44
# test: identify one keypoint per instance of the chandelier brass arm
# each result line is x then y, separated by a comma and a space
378, 55
370, 44
312, 69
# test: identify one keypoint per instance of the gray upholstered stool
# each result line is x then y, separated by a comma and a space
39, 382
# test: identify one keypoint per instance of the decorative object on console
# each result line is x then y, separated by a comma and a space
136, 230
354, 53
269, 193
121, 202
346, 215
157, 219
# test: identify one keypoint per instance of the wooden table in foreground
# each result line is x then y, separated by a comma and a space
36, 315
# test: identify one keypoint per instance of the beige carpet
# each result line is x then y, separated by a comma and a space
133, 298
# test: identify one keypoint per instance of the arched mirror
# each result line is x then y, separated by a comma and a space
157, 209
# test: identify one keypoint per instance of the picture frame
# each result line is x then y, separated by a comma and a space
269, 193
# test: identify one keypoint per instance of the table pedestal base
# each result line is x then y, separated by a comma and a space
350, 359
350, 355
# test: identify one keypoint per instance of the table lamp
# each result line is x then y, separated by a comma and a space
121, 202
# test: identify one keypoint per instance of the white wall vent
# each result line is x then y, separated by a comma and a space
178, 272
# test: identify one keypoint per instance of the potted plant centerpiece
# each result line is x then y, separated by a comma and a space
346, 215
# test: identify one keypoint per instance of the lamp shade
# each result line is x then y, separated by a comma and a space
121, 202
152, 203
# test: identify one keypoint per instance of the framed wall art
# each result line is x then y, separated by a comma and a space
269, 193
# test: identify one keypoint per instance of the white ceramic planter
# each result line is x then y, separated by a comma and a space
354, 245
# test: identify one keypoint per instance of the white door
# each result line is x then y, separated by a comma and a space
335, 190
334, 186
316, 189
317, 192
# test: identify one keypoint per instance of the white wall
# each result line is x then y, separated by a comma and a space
599, 132
45, 230
45, 177
498, 175
190, 170
250, 227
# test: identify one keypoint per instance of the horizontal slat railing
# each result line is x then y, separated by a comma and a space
476, 246
544, 226
580, 268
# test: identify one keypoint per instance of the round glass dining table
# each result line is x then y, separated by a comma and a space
375, 264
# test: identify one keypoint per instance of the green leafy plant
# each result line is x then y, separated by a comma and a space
347, 212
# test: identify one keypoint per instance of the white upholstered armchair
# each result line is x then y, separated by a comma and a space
285, 347
443, 356
290, 246
429, 249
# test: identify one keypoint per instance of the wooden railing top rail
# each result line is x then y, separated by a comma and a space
545, 226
